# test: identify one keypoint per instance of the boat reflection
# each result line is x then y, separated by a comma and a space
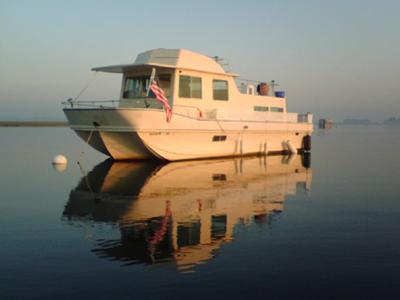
181, 213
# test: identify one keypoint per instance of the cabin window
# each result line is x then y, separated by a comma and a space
261, 108
219, 138
218, 226
189, 87
136, 87
164, 81
220, 89
188, 233
219, 177
277, 109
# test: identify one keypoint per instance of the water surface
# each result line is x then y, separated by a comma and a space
255, 227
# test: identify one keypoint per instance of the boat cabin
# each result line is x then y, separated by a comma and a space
191, 81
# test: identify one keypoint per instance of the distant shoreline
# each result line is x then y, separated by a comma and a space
33, 124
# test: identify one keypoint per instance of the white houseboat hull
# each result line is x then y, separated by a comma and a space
131, 133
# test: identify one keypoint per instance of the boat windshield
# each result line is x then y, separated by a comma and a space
137, 86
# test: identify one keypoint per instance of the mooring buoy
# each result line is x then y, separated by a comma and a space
60, 160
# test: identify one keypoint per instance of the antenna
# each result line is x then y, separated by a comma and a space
223, 62
218, 59
273, 84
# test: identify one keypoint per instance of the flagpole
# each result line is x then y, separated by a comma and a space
152, 76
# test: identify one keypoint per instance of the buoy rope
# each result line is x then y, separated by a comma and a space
85, 177
80, 164
83, 147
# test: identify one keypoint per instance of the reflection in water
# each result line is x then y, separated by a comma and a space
182, 212
60, 167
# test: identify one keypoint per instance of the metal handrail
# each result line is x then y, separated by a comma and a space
188, 106
244, 83
198, 113
91, 103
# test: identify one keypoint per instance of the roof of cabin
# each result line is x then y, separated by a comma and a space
169, 58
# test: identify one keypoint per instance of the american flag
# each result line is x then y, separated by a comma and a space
160, 95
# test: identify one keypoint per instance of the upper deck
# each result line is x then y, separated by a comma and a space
171, 59
194, 83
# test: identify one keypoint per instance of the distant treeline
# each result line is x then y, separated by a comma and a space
392, 121
358, 122
33, 124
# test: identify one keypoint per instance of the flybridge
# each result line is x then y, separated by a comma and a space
169, 58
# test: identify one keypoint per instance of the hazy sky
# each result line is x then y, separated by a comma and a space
337, 59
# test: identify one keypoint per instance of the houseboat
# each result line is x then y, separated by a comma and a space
176, 104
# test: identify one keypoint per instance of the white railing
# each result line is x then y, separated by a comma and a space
260, 116
195, 112
91, 104
305, 118
189, 111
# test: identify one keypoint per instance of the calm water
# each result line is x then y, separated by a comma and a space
251, 228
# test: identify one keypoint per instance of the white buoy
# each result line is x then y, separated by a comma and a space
60, 160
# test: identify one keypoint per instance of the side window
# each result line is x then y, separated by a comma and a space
164, 81
261, 108
220, 90
189, 87
136, 87
276, 109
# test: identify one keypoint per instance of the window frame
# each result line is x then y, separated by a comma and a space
214, 90
219, 138
144, 86
260, 108
190, 87
277, 109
